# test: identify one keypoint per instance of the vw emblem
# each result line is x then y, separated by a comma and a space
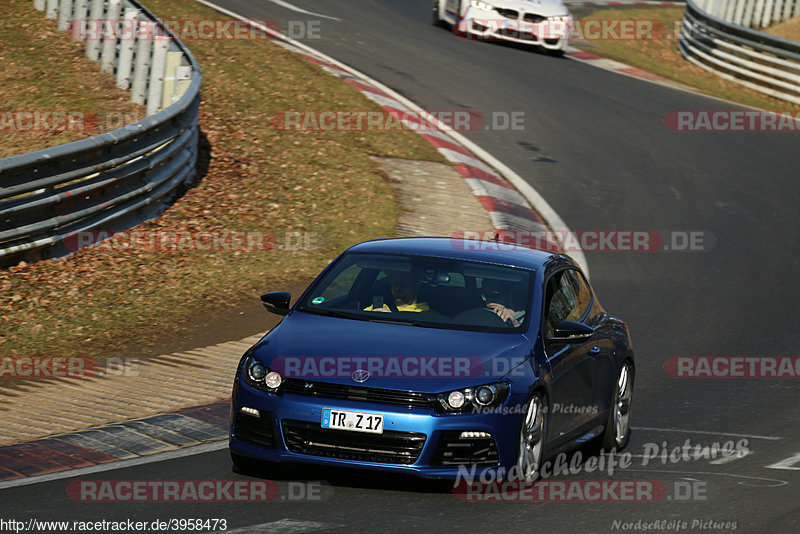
360, 376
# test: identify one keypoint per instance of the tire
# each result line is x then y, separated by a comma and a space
532, 438
245, 465
436, 20
617, 432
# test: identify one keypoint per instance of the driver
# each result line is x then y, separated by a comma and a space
499, 297
405, 286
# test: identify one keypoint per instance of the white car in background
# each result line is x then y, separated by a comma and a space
544, 23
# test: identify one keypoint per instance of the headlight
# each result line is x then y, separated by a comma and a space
259, 375
480, 397
256, 371
483, 6
273, 380
455, 399
484, 395
565, 19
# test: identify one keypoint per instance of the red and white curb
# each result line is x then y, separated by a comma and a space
615, 66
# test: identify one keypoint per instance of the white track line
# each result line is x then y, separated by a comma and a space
287, 5
704, 432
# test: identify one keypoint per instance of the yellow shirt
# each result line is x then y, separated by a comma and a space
416, 307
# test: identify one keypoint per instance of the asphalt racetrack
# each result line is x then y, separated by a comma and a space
595, 145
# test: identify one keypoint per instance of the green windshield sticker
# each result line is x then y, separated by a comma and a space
318, 300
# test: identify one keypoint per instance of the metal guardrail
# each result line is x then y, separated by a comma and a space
114, 180
753, 14
759, 61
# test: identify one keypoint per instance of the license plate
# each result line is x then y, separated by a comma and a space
355, 421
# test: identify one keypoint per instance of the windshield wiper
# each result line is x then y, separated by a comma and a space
329, 313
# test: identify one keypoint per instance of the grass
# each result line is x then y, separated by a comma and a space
661, 56
43, 70
322, 183
789, 29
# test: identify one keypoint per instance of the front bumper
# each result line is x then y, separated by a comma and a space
416, 441
490, 26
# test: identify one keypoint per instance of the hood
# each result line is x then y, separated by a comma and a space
411, 358
546, 8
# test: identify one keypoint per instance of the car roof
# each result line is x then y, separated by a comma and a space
466, 249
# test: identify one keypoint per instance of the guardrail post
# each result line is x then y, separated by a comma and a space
780, 5
94, 29
796, 8
739, 12
170, 82
52, 9
730, 6
157, 73
757, 12
183, 79
126, 46
64, 15
109, 54
766, 16
750, 6
39, 4
787, 10
78, 25
144, 52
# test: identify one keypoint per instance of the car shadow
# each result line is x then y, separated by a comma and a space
347, 477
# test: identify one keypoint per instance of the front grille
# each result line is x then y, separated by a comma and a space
258, 430
514, 34
479, 27
410, 399
454, 450
391, 447
530, 17
507, 13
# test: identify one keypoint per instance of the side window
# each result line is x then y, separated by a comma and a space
568, 299
581, 292
342, 284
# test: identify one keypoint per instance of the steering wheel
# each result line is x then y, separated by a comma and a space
505, 322
389, 304
478, 317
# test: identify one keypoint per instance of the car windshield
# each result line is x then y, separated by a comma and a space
424, 291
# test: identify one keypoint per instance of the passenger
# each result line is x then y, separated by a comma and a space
499, 297
405, 286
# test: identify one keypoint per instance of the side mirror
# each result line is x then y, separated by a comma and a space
571, 331
276, 302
